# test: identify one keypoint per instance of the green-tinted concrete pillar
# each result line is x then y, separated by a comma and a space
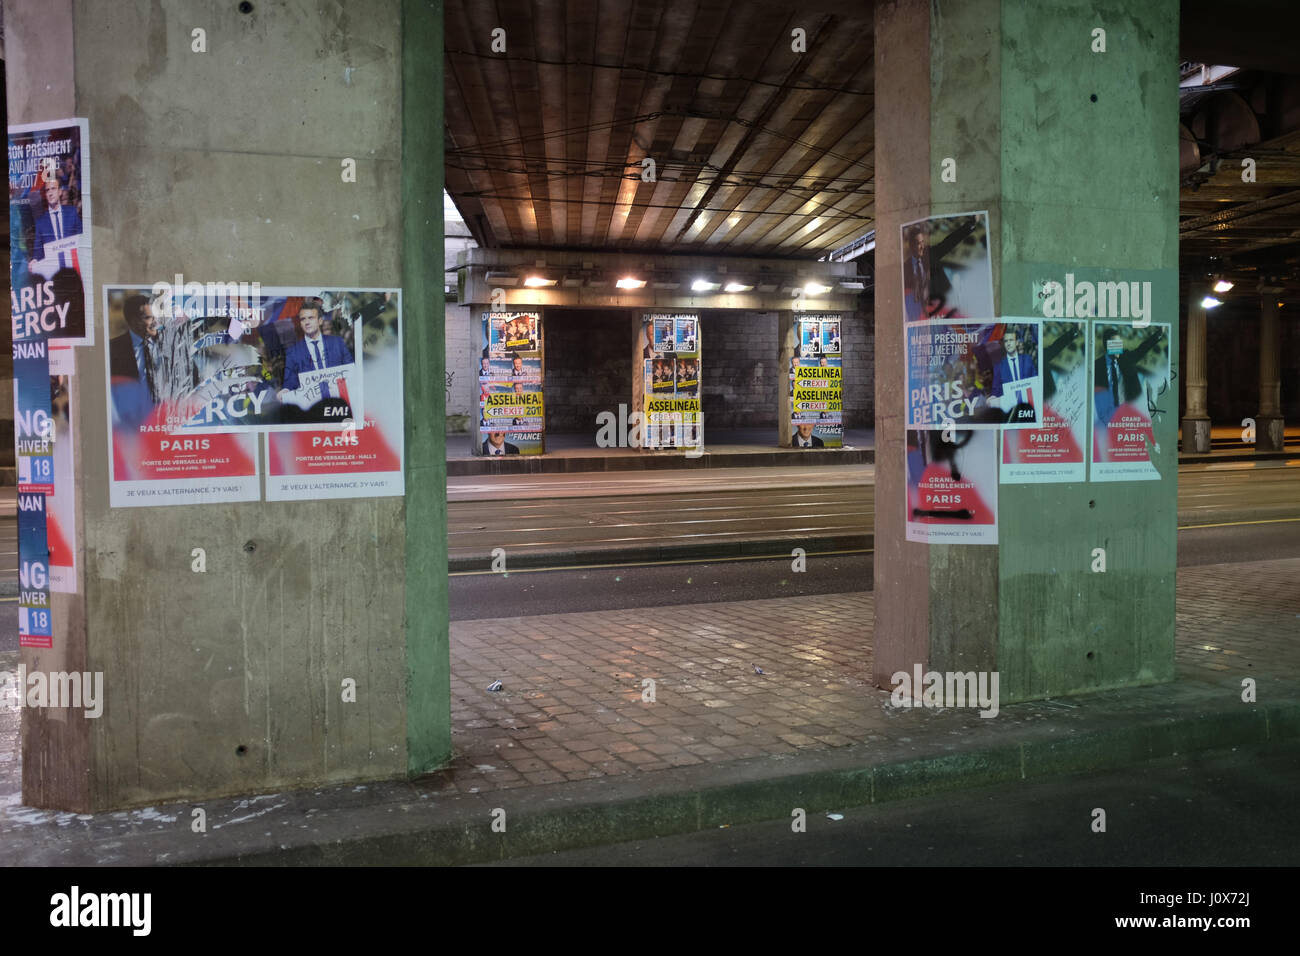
226, 164
1067, 137
428, 710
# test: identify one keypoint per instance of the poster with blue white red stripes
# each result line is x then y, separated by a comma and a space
974, 374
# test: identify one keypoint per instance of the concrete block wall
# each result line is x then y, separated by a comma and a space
740, 377
462, 366
587, 367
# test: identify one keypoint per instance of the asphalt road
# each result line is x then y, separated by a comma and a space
1234, 808
547, 513
527, 593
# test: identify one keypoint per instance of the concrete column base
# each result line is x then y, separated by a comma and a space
1269, 433
1196, 435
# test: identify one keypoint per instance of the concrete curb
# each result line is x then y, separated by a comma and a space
766, 547
654, 461
612, 810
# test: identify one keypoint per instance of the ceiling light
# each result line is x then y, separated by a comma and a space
536, 282
1210, 302
1223, 285
736, 287
703, 285
627, 282
813, 288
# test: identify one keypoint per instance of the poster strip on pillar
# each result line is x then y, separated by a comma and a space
1054, 452
361, 462
35, 625
952, 486
49, 232
816, 383
33, 426
512, 413
60, 512
671, 371
981, 375
947, 271
1130, 383
33, 438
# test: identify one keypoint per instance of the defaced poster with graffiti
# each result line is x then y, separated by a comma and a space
952, 486
197, 371
1130, 386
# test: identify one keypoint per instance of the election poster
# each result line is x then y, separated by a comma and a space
947, 270
35, 625
33, 426
512, 411
1130, 376
198, 359
364, 461
982, 375
1055, 451
49, 232
512, 332
60, 510
671, 381
816, 384
952, 487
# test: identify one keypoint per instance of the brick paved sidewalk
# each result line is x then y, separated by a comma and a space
571, 704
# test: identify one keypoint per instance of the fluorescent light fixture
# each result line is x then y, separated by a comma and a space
1210, 302
853, 286
502, 278
1223, 285
628, 282
703, 285
734, 286
537, 282
814, 288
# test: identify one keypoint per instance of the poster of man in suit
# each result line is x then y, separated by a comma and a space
49, 232
983, 375
1130, 391
1054, 452
947, 272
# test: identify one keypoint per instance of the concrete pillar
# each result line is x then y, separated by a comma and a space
1000, 91
1196, 418
1269, 425
229, 681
